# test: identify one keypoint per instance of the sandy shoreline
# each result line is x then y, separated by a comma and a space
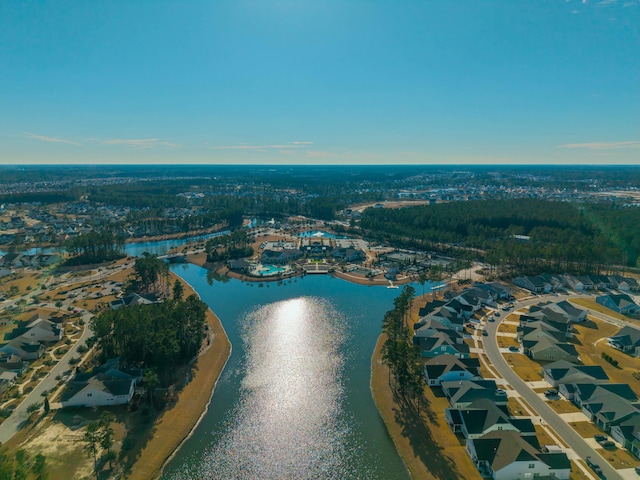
176, 425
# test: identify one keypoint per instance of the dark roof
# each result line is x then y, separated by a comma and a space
563, 371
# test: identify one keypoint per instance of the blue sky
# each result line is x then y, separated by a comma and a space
322, 81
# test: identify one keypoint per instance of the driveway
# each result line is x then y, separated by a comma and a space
12, 424
578, 444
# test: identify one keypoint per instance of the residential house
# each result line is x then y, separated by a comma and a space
133, 299
627, 340
38, 330
624, 284
535, 284
462, 393
23, 348
444, 368
433, 338
548, 350
484, 416
507, 455
498, 290
627, 433
621, 303
106, 385
564, 372
606, 404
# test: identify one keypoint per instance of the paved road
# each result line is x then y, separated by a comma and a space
12, 424
562, 429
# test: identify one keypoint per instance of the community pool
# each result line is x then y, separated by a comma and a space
319, 234
268, 270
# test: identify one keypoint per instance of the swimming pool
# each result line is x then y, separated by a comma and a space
319, 234
268, 270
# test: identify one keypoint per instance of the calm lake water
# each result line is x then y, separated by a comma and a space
294, 400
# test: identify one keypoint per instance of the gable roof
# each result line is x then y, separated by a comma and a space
501, 448
437, 366
627, 336
563, 371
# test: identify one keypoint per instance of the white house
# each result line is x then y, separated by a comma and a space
98, 391
506, 455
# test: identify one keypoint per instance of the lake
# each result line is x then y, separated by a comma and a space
294, 400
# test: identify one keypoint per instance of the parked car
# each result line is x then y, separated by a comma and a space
550, 393
490, 319
600, 438
607, 444
513, 349
593, 465
506, 308
484, 333
497, 314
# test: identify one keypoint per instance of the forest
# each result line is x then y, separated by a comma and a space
94, 247
520, 235
159, 336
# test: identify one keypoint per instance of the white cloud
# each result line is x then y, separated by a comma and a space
42, 138
139, 143
603, 145
261, 148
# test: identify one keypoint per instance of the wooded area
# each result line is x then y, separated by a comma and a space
562, 236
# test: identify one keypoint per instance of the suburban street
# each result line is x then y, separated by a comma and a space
12, 424
553, 420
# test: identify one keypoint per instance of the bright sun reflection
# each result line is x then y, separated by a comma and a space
289, 320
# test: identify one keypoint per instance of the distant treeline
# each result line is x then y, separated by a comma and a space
562, 236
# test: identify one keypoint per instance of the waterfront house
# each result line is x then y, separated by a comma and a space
108, 384
444, 368
433, 338
507, 455
462, 393
484, 416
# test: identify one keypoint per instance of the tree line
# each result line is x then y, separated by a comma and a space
157, 336
523, 235
406, 374
95, 247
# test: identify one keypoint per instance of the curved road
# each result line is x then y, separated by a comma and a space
11, 425
562, 428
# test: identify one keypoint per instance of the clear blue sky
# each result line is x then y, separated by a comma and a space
320, 81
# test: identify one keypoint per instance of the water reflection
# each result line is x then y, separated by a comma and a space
290, 421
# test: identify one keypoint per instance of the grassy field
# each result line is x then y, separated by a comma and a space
507, 328
619, 458
591, 303
585, 429
563, 406
591, 336
505, 342
524, 367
